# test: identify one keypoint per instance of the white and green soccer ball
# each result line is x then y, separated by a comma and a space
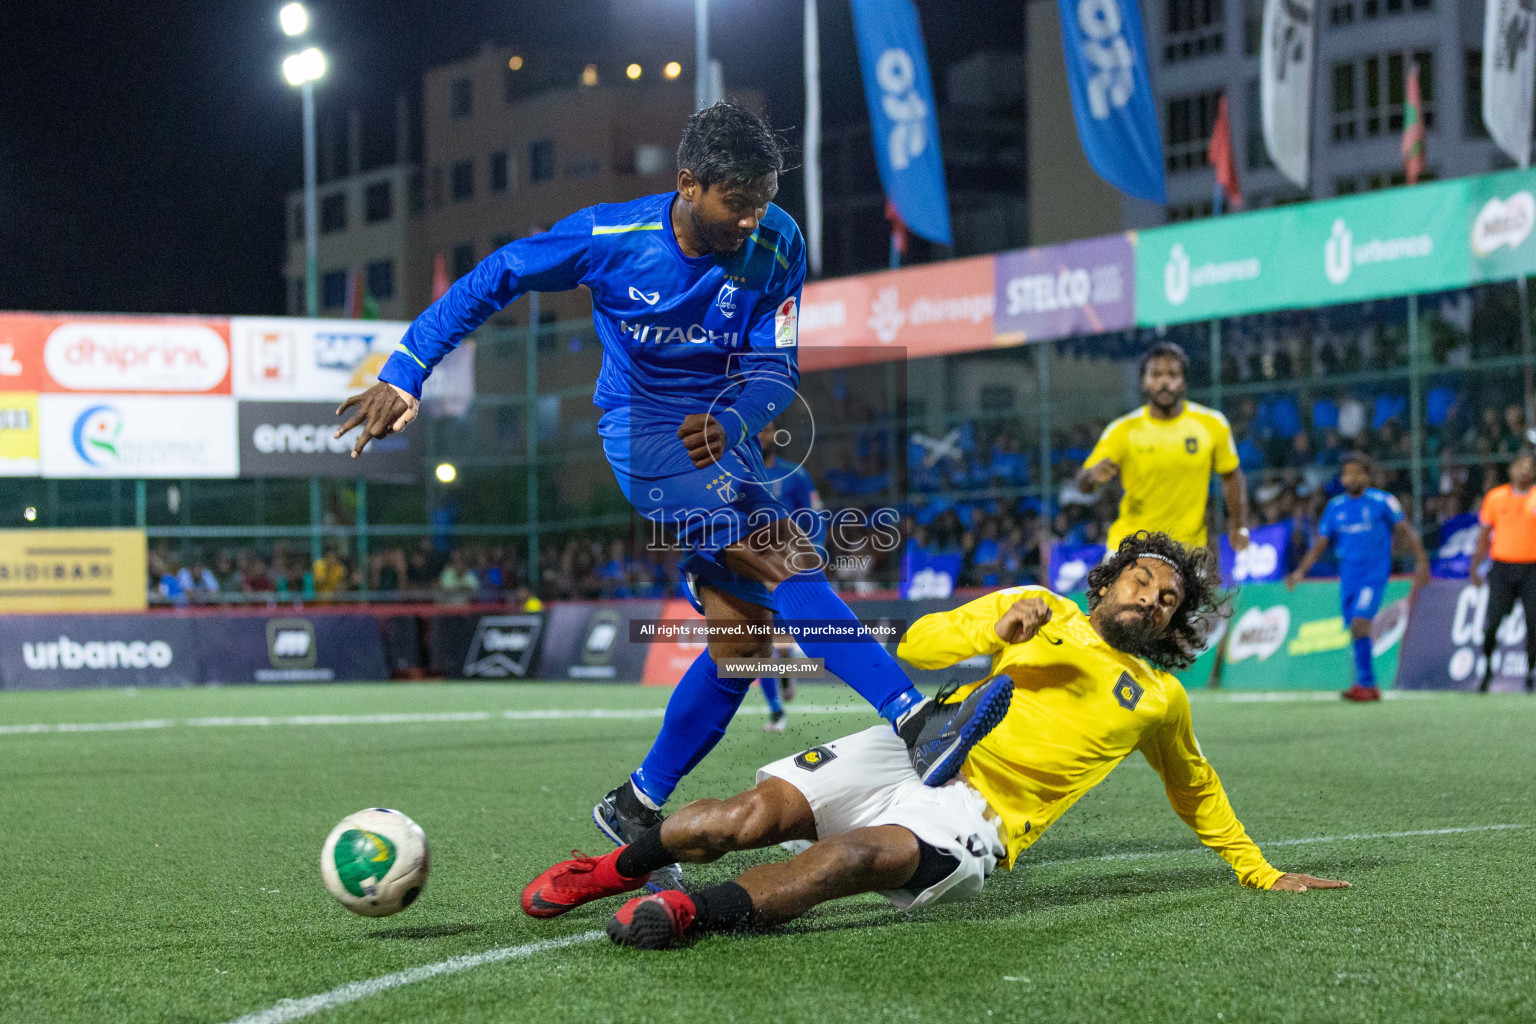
375, 862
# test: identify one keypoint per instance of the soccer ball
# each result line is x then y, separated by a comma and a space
375, 862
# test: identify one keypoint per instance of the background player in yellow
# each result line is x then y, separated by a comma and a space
1088, 690
1164, 454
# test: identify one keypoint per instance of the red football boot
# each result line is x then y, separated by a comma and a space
653, 922
571, 883
1361, 694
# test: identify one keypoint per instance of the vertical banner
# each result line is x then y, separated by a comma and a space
1112, 94
901, 114
1509, 75
1262, 561
1070, 563
1285, 86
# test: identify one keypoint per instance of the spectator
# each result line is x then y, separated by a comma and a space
457, 582
330, 575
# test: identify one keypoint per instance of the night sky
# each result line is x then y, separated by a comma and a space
145, 148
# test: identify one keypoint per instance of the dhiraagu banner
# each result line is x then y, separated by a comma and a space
1298, 639
1432, 237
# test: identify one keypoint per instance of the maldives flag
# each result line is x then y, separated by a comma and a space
1220, 156
1413, 128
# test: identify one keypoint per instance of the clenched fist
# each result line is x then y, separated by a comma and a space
1023, 620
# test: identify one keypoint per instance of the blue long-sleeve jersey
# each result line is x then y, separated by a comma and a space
680, 334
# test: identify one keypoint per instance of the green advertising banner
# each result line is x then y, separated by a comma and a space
1298, 640
1428, 238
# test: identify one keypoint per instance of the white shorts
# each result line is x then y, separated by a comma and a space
867, 779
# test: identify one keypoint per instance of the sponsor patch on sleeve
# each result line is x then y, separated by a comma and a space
786, 324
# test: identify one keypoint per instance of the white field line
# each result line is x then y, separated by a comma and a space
562, 714
1353, 837
296, 1009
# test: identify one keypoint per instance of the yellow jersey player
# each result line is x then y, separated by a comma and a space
1088, 690
1164, 454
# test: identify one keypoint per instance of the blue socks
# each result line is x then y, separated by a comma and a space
700, 709
808, 600
770, 685
1365, 675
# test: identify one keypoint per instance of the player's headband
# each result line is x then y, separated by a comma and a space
1164, 558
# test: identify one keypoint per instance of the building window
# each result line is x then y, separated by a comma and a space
501, 176
379, 202
463, 180
1195, 28
416, 192
502, 241
463, 259
1369, 95
1393, 8
1472, 96
333, 213
333, 289
1253, 26
1258, 153
1190, 122
381, 279
1342, 13
1346, 187
298, 221
1189, 211
541, 160
461, 97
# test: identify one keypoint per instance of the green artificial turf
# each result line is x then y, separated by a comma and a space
171, 873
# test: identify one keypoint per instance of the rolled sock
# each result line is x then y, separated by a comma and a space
808, 600
724, 907
770, 685
700, 709
1365, 674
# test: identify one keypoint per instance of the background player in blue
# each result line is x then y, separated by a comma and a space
695, 298
1361, 524
796, 491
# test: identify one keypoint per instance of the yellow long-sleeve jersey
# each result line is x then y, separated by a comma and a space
1079, 708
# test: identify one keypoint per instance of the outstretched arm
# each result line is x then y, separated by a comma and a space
984, 626
1195, 791
1308, 560
1415, 545
1234, 488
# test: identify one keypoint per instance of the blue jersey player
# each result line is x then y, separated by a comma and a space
1361, 524
695, 298
791, 483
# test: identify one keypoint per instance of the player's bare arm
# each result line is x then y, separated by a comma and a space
1480, 553
1406, 536
1308, 560
381, 410
1023, 620
1091, 478
1234, 488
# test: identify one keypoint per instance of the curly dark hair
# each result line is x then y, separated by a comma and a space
727, 143
1163, 349
1204, 603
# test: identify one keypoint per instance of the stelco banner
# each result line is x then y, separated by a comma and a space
1059, 291
1298, 640
296, 439
72, 571
1433, 237
1444, 649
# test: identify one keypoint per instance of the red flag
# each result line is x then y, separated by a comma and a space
440, 280
1220, 156
355, 295
1413, 128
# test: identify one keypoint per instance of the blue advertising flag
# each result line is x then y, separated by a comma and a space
901, 114
1263, 561
1112, 95
1070, 564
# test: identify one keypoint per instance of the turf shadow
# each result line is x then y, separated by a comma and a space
432, 931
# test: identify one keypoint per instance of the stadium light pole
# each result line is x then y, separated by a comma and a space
303, 70
701, 88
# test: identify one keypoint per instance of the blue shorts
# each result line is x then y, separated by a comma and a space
708, 509
1361, 599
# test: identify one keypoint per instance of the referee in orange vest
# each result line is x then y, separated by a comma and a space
1508, 533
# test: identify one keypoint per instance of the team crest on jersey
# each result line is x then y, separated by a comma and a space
1192, 445
726, 300
1128, 691
814, 758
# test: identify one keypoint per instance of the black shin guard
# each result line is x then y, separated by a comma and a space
723, 908
644, 855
